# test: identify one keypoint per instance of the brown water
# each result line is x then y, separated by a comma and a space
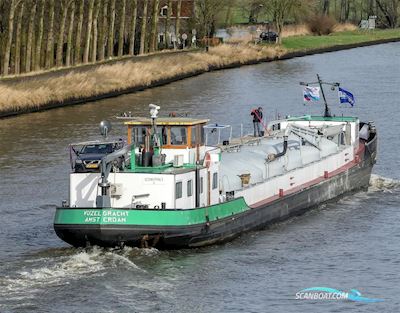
353, 243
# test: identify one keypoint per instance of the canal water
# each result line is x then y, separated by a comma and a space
353, 243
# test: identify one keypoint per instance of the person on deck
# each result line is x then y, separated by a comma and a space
257, 119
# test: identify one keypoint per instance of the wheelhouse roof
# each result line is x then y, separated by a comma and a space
165, 121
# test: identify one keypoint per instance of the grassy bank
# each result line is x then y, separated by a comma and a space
135, 74
307, 42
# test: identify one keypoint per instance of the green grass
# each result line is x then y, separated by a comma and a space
340, 38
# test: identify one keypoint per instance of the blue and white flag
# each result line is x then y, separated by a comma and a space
346, 97
311, 93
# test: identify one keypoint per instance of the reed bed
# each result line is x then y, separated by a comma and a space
37, 93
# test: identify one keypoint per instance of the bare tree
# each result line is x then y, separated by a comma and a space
78, 38
70, 33
178, 16
167, 24
325, 8
103, 29
143, 31
7, 50
281, 10
94, 41
111, 30
17, 55
207, 11
50, 36
390, 11
122, 29
39, 38
29, 51
88, 32
154, 19
133, 28
60, 43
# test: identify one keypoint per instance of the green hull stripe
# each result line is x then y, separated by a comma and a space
149, 217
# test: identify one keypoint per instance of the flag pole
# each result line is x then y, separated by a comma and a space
320, 82
327, 111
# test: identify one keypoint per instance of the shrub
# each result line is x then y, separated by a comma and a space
321, 24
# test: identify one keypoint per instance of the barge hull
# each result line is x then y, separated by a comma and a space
270, 211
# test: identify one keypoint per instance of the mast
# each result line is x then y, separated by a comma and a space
327, 112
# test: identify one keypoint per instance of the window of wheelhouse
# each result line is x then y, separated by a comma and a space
178, 135
197, 135
139, 134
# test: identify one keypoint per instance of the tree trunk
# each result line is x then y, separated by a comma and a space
110, 44
178, 19
7, 49
17, 59
102, 46
167, 24
69, 37
29, 55
143, 31
154, 28
78, 38
94, 42
88, 32
325, 9
60, 42
133, 28
122, 30
50, 36
39, 39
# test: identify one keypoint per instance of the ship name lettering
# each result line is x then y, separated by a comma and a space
116, 213
114, 219
91, 213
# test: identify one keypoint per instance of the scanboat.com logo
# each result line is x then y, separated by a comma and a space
326, 293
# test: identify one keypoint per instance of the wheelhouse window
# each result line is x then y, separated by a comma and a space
139, 135
178, 136
189, 188
215, 181
178, 190
201, 184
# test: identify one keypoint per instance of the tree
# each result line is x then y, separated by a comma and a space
50, 36
17, 55
154, 19
207, 11
60, 43
78, 38
7, 50
68, 56
178, 16
390, 11
133, 28
281, 10
167, 23
143, 32
29, 55
39, 38
122, 29
94, 41
88, 32
325, 8
110, 43
103, 29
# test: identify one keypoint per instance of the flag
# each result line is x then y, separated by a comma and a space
311, 93
346, 96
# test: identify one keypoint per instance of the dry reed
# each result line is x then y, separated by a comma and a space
36, 93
